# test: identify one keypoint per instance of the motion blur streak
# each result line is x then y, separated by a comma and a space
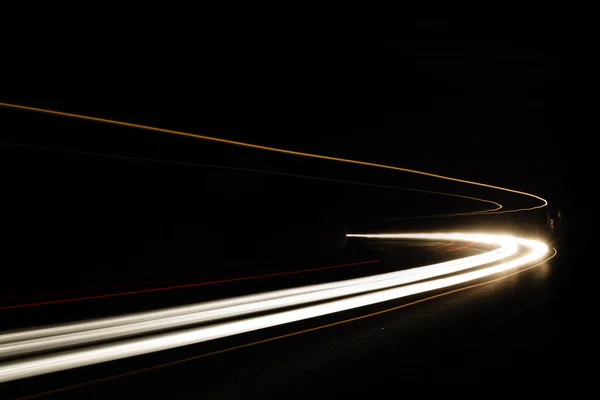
283, 151
529, 252
46, 339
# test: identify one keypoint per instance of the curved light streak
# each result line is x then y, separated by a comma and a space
267, 172
372, 290
282, 151
46, 339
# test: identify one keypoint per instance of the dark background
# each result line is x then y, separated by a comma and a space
483, 94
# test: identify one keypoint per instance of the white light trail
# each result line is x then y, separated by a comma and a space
387, 286
45, 339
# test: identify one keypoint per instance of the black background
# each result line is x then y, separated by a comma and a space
481, 94
484, 94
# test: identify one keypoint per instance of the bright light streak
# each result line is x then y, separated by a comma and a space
283, 151
21, 343
415, 281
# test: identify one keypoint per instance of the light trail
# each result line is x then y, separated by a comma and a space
46, 339
282, 151
462, 247
175, 287
497, 205
441, 246
334, 297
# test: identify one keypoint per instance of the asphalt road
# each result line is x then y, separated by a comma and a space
492, 339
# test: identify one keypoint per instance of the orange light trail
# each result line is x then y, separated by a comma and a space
462, 247
442, 245
262, 171
282, 151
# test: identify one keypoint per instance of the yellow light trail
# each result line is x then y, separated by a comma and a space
282, 151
